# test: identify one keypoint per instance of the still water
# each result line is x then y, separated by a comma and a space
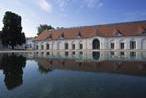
73, 75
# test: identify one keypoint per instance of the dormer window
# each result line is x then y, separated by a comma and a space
79, 35
117, 33
50, 36
62, 36
144, 31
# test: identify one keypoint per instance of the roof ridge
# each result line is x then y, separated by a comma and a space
104, 24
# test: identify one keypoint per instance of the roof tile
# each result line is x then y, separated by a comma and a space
107, 30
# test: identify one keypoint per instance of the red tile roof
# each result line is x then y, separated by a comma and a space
107, 30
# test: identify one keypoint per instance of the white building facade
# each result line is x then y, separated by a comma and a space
120, 36
30, 43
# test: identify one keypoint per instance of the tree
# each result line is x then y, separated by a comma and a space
22, 39
41, 28
12, 31
13, 66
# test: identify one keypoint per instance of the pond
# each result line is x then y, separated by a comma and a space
73, 75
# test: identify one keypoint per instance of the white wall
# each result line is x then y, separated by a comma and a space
126, 40
87, 43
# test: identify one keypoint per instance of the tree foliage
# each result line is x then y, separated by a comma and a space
13, 69
41, 28
12, 31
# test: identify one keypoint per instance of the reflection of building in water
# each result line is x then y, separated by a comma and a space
118, 36
116, 62
122, 67
12, 66
97, 56
43, 65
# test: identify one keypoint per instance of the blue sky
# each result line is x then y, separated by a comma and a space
70, 13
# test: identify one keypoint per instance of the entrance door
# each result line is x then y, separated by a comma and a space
96, 44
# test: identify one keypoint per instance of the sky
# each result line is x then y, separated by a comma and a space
72, 13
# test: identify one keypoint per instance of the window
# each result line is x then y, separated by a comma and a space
73, 53
48, 46
79, 35
112, 53
121, 45
37, 47
73, 46
42, 47
112, 45
81, 53
66, 45
81, 46
66, 53
122, 53
62, 35
132, 54
48, 53
117, 33
132, 44
50, 36
144, 31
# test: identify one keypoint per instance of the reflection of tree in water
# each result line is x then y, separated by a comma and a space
12, 66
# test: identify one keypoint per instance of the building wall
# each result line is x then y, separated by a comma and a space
105, 43
97, 56
140, 42
30, 43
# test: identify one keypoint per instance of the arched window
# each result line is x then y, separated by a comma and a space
96, 44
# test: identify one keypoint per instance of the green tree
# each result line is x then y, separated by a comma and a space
13, 65
12, 31
41, 28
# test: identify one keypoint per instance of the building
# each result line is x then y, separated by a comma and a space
118, 36
30, 43
129, 63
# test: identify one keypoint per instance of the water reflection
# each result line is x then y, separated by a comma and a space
43, 66
131, 63
12, 66
89, 55
74, 75
96, 55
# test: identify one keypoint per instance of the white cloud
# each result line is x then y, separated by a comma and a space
62, 4
45, 5
100, 4
92, 3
